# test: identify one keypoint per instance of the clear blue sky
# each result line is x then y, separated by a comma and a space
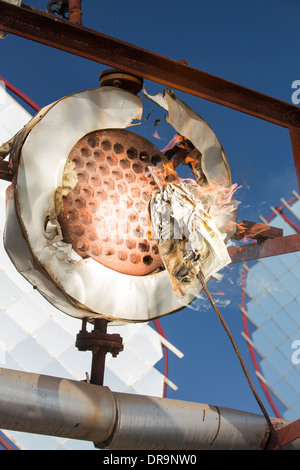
250, 42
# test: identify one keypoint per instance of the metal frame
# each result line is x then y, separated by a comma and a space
70, 36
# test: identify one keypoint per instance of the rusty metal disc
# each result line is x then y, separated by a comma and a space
104, 215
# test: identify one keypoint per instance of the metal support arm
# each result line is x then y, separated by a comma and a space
67, 408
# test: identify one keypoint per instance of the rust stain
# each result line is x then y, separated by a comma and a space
219, 426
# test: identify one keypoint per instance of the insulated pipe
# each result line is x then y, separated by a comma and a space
163, 424
54, 406
73, 409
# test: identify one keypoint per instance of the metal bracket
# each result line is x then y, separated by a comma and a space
99, 342
59, 7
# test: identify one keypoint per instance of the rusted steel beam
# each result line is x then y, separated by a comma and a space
257, 231
75, 12
295, 141
264, 249
41, 27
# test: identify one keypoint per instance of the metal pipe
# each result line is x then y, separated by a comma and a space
295, 142
75, 13
99, 355
269, 247
54, 406
66, 408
